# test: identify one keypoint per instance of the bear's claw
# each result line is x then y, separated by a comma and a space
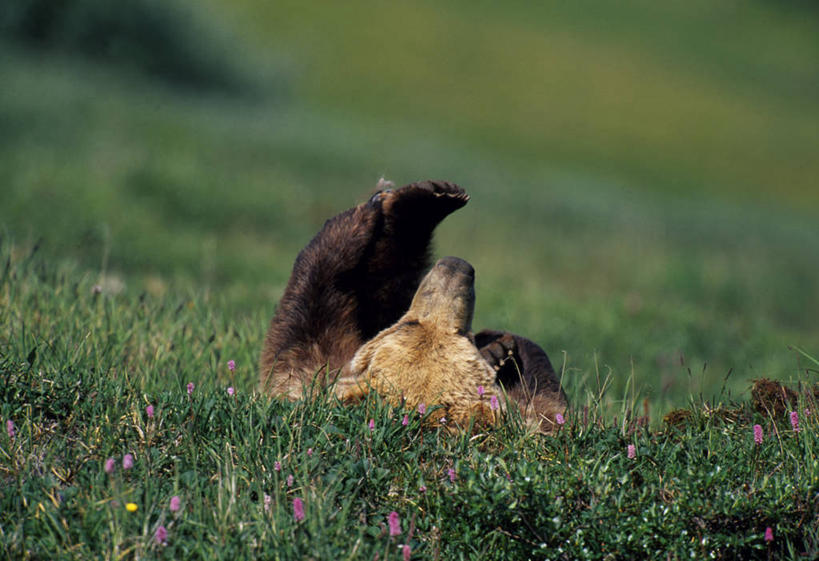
499, 351
429, 201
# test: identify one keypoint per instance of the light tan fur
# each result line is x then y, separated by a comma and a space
429, 355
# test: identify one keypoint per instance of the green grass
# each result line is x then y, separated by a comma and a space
150, 188
643, 206
79, 369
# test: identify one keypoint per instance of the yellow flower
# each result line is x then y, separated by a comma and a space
131, 507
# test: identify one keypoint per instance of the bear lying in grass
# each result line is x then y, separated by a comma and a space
429, 354
357, 312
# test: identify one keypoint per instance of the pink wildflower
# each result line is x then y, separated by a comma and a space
480, 391
422, 408
230, 390
290, 480
150, 411
277, 466
10, 428
298, 509
405, 420
190, 388
175, 503
161, 535
768, 534
407, 552
423, 488
758, 434
493, 403
395, 524
795, 421
559, 419
109, 465
231, 365
268, 500
127, 461
632, 451
443, 420
451, 473
371, 424
309, 452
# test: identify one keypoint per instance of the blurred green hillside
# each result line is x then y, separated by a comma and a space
696, 97
643, 177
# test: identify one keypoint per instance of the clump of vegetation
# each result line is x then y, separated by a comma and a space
132, 430
163, 39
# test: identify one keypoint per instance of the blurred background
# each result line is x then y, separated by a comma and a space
645, 201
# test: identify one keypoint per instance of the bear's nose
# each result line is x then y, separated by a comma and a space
456, 265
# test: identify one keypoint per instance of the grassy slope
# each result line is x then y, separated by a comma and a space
150, 188
79, 370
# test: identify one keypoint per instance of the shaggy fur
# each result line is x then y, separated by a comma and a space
429, 355
356, 277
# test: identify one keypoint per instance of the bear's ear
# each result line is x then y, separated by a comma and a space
351, 389
360, 363
351, 385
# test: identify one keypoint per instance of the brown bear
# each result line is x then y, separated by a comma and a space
355, 278
358, 276
429, 355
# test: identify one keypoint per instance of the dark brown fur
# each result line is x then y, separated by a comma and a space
356, 277
526, 374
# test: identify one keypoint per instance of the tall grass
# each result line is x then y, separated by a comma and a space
80, 366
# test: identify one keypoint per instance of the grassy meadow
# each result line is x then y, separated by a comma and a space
127, 435
644, 205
